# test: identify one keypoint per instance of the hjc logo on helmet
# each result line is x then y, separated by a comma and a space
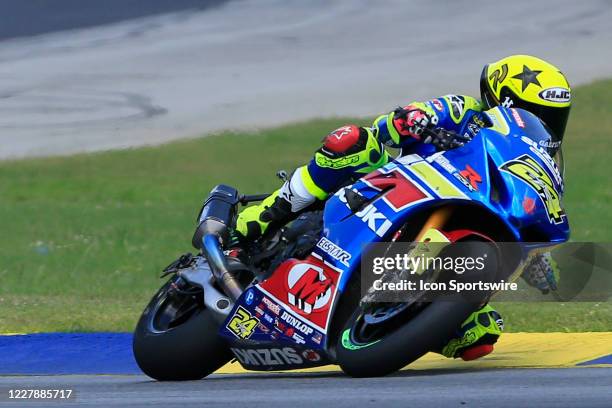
559, 95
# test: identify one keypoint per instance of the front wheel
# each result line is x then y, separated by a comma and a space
362, 352
380, 338
176, 337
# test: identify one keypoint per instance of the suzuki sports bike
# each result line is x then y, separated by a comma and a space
292, 298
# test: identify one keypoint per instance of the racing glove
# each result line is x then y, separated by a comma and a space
542, 273
410, 121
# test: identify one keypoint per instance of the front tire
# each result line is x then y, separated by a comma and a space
176, 338
428, 330
376, 349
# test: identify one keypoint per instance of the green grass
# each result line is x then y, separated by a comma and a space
84, 237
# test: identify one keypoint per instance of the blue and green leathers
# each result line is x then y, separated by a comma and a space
350, 152
331, 168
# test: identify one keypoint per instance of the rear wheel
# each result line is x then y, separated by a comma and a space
176, 337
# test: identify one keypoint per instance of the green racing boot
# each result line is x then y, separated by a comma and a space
255, 220
476, 336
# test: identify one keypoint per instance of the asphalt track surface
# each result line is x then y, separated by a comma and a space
570, 387
146, 78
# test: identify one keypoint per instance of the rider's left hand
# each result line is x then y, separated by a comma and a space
542, 273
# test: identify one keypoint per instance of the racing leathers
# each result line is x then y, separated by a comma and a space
351, 152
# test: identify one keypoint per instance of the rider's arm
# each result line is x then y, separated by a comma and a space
351, 150
449, 112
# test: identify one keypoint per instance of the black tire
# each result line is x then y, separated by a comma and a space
428, 330
190, 350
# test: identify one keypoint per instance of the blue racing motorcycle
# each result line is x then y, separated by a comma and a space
292, 298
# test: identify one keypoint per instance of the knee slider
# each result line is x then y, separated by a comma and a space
345, 140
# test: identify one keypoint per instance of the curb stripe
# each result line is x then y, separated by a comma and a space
605, 360
111, 353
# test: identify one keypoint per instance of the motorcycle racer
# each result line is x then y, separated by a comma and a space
443, 123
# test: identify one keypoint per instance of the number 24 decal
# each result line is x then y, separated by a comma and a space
242, 323
528, 170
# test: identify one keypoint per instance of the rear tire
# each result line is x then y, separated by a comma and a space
190, 350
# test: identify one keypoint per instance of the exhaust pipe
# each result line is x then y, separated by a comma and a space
211, 248
216, 214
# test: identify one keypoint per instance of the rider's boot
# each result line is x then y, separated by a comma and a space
278, 209
476, 336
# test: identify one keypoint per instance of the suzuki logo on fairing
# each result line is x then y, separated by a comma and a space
370, 215
309, 288
558, 95
267, 357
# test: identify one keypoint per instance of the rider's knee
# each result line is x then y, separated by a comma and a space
344, 141
350, 149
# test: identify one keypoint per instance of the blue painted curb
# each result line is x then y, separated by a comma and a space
67, 353
87, 353
601, 360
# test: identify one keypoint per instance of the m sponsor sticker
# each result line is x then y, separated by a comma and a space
306, 288
309, 288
